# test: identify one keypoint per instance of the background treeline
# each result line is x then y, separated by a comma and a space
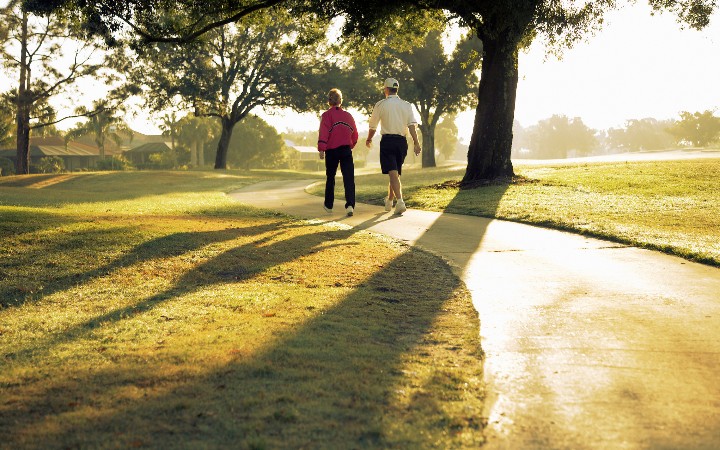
561, 136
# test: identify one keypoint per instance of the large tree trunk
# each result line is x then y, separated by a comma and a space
428, 145
24, 102
491, 141
221, 155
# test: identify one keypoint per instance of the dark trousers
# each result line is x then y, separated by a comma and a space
343, 156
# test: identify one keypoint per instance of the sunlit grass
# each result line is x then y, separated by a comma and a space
672, 206
149, 310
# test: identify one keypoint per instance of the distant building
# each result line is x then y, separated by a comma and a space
83, 153
303, 157
76, 155
140, 155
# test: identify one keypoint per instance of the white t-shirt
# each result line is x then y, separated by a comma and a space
394, 114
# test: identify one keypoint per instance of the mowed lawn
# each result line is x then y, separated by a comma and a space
147, 310
672, 206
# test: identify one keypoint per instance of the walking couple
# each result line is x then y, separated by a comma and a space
338, 136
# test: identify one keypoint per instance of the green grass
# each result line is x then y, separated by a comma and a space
147, 309
672, 206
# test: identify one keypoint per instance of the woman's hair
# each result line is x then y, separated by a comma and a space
335, 97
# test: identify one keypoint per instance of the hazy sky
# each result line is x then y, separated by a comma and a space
638, 66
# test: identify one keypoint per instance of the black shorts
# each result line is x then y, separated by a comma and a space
393, 150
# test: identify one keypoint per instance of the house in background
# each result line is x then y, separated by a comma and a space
140, 155
76, 155
303, 157
83, 153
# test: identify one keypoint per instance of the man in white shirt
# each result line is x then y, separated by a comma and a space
395, 116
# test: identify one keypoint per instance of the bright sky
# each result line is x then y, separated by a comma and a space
638, 66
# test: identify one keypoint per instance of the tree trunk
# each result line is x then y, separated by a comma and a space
24, 102
222, 149
200, 152
193, 154
491, 141
428, 145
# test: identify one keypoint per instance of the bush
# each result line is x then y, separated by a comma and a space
50, 164
6, 167
114, 163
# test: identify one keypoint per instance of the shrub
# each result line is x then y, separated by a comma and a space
50, 164
6, 167
116, 162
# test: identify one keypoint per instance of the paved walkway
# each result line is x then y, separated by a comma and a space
589, 344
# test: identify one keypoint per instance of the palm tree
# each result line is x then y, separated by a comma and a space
170, 127
194, 133
102, 123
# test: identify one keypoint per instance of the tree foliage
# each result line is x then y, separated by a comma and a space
255, 144
7, 124
641, 134
436, 83
268, 60
699, 128
194, 133
504, 26
102, 123
446, 136
45, 58
558, 135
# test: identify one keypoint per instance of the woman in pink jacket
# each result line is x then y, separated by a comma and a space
338, 136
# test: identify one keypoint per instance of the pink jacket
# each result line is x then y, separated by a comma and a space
337, 128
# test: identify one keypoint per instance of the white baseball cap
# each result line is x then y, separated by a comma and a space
392, 83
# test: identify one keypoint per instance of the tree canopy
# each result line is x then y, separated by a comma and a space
504, 26
699, 128
264, 61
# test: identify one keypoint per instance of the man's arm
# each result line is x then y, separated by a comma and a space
368, 141
413, 133
373, 123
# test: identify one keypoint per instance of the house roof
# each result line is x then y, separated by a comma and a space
55, 146
152, 147
304, 149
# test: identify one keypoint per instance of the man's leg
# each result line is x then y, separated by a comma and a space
347, 168
395, 187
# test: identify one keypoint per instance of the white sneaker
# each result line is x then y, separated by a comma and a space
388, 204
349, 210
400, 207
327, 210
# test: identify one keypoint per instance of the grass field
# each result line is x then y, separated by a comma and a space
147, 310
672, 206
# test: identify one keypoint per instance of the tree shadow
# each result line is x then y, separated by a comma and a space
90, 187
63, 278
296, 390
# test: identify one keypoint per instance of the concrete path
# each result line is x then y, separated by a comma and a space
589, 344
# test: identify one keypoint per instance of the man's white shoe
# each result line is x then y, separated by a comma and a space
349, 210
327, 210
400, 207
388, 204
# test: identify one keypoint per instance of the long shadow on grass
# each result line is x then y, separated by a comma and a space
328, 383
238, 264
79, 188
62, 278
